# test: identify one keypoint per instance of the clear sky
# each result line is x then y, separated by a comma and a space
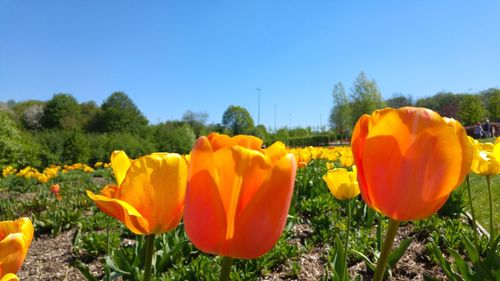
174, 56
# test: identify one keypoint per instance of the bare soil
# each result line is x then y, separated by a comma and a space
50, 258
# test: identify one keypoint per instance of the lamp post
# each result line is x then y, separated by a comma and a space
258, 105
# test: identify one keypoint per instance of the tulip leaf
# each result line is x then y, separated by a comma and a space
118, 262
367, 260
461, 265
445, 266
84, 269
471, 250
395, 255
339, 265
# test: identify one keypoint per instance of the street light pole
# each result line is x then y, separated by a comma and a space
258, 106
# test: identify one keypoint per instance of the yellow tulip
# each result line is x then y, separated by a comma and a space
342, 183
485, 159
150, 196
15, 241
496, 150
9, 277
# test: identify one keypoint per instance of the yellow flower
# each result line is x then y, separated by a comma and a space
9, 277
486, 158
15, 240
9, 170
342, 183
149, 198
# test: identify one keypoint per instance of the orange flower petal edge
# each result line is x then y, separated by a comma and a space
409, 160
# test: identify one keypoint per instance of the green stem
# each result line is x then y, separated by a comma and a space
227, 262
150, 246
107, 234
492, 228
472, 213
347, 239
386, 249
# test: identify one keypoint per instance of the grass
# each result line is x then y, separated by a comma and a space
480, 200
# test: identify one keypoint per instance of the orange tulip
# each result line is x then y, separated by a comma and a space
54, 189
15, 240
409, 160
238, 195
149, 198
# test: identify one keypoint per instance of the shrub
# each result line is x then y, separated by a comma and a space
16, 147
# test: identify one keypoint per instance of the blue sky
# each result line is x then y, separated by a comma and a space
174, 56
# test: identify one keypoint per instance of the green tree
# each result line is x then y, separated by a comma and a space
16, 146
399, 100
76, 148
365, 97
340, 115
61, 112
90, 112
444, 103
491, 98
120, 114
260, 131
237, 120
471, 110
171, 137
196, 120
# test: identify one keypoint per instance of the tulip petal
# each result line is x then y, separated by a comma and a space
276, 151
120, 164
9, 277
15, 239
358, 139
156, 187
202, 158
261, 223
204, 215
409, 160
220, 141
122, 211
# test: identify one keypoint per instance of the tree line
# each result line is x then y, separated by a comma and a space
63, 130
365, 97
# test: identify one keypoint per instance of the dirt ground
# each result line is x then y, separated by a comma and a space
50, 258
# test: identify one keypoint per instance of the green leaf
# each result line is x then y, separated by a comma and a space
338, 261
461, 265
395, 255
368, 262
118, 262
84, 269
445, 266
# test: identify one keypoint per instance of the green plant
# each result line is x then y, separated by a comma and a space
473, 267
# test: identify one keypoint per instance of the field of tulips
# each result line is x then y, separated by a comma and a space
364, 212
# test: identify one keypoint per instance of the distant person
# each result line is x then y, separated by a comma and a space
487, 128
478, 131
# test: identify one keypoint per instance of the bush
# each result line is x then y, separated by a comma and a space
178, 139
133, 145
16, 147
